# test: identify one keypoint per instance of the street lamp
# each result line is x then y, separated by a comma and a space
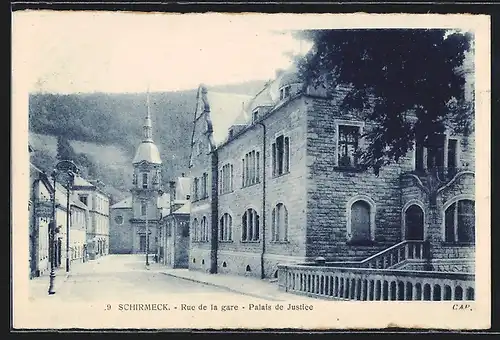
69, 183
52, 234
67, 170
145, 202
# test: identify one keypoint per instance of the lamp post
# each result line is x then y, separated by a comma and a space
67, 169
52, 234
147, 234
69, 184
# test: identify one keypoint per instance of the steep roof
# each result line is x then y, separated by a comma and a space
183, 187
125, 203
225, 110
185, 209
82, 182
78, 204
147, 151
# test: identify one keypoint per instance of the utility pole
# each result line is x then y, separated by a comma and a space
69, 184
147, 236
52, 236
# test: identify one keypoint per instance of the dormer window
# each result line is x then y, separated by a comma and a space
285, 92
255, 115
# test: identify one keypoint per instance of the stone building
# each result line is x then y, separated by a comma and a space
174, 231
97, 203
279, 184
135, 220
80, 222
40, 215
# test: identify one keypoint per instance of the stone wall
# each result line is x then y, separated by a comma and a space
244, 257
120, 235
331, 189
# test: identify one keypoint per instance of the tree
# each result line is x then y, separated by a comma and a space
64, 149
390, 76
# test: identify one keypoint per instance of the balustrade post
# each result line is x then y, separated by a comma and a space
364, 290
407, 251
421, 246
356, 289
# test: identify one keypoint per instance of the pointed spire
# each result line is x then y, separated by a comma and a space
148, 126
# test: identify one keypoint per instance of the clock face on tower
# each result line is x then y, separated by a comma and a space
119, 219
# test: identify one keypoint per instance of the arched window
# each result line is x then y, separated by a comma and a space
250, 226
414, 223
460, 222
360, 219
225, 228
280, 223
204, 230
196, 231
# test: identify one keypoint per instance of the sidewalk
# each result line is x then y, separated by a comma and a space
39, 286
239, 284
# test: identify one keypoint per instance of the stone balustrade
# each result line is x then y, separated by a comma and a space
368, 284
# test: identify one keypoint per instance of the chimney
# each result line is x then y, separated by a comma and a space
172, 190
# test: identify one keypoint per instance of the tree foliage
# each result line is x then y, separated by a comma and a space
390, 76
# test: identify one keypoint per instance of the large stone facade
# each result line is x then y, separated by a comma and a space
310, 200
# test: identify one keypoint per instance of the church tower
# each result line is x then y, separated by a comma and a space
146, 190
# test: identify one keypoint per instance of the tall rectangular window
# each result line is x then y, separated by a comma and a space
281, 155
226, 179
204, 186
419, 157
442, 153
347, 145
195, 189
251, 168
452, 153
144, 180
144, 208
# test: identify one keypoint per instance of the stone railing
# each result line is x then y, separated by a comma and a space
387, 258
365, 284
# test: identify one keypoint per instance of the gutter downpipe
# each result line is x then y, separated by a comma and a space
262, 269
214, 202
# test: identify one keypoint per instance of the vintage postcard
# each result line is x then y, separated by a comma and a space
250, 171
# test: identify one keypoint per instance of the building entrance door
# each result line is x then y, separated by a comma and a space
142, 243
414, 222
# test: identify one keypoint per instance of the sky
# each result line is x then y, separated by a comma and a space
68, 52
113, 52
